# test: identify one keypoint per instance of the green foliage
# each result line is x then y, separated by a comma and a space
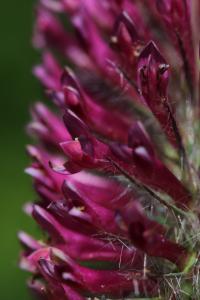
18, 89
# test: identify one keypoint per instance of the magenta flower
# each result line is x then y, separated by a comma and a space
116, 167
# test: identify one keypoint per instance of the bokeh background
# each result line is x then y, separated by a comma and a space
18, 89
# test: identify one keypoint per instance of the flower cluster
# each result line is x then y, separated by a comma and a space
116, 165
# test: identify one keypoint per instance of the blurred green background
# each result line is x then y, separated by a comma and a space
18, 89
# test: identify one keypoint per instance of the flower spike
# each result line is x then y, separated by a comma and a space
116, 167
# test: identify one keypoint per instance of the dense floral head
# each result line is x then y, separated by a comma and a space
116, 166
